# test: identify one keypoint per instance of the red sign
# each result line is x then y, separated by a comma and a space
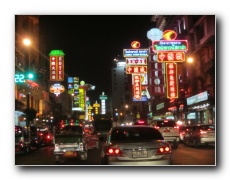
137, 87
170, 56
57, 68
136, 69
172, 81
136, 61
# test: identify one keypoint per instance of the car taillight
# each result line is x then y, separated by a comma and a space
203, 132
114, 152
48, 137
164, 150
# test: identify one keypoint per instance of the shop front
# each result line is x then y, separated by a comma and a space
200, 109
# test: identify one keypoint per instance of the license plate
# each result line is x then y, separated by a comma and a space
70, 154
140, 154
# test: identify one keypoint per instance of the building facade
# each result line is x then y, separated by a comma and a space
196, 101
32, 93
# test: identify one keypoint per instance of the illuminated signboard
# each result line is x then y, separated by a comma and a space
136, 61
82, 98
57, 89
136, 69
170, 56
172, 45
135, 52
96, 107
56, 65
137, 87
169, 35
135, 44
144, 79
171, 79
197, 98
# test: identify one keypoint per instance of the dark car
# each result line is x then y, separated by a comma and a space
135, 146
34, 137
182, 131
45, 137
200, 134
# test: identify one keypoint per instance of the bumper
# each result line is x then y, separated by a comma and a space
164, 161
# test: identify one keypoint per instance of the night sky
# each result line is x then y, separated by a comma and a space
91, 42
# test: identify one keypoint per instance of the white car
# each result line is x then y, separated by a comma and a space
169, 130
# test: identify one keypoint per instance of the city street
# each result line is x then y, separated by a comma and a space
183, 155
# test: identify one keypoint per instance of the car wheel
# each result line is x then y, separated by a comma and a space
83, 156
195, 142
175, 144
57, 159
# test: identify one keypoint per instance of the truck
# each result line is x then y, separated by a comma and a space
102, 124
69, 143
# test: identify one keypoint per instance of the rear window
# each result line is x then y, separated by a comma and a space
136, 133
207, 127
73, 130
166, 123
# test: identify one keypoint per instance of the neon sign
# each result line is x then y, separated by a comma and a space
172, 82
169, 35
136, 69
135, 52
172, 45
136, 61
137, 87
170, 56
135, 44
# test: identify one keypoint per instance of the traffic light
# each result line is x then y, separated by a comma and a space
30, 76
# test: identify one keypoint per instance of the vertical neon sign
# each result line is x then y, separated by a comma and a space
172, 81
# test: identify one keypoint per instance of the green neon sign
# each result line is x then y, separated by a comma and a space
170, 45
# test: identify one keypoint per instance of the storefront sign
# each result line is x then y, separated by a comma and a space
197, 98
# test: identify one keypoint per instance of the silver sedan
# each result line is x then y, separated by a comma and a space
136, 146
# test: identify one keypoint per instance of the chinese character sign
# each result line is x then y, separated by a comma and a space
137, 87
56, 65
172, 82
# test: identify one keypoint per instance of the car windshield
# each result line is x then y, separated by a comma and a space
166, 123
137, 133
